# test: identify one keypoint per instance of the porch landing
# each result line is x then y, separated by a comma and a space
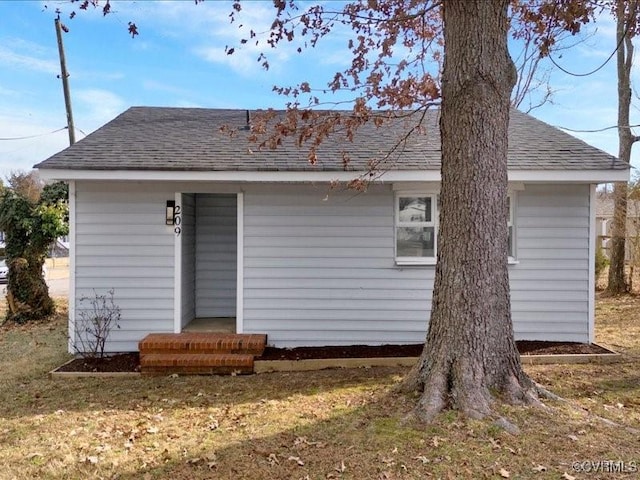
211, 324
200, 353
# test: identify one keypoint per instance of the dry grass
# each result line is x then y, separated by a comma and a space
328, 424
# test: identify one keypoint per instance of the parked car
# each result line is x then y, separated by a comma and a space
4, 271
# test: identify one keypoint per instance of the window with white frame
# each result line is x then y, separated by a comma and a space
416, 227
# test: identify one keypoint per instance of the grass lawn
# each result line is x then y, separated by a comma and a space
315, 425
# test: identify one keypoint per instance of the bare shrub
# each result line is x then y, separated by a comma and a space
95, 323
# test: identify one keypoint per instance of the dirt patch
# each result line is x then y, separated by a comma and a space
124, 362
130, 362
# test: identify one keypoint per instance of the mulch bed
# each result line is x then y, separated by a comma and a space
123, 362
130, 362
414, 350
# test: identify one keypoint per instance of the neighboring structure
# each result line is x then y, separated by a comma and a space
604, 219
185, 222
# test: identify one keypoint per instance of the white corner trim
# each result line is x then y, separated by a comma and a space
592, 262
72, 268
240, 265
412, 176
177, 274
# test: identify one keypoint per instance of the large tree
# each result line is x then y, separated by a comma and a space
32, 217
626, 13
470, 352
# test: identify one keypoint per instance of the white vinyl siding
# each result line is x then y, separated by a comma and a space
123, 243
322, 272
550, 284
188, 252
319, 265
216, 255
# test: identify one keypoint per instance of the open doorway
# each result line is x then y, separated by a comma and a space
209, 239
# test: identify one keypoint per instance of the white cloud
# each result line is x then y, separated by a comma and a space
12, 59
8, 92
207, 29
96, 107
23, 154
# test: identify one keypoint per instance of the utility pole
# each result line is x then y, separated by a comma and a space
64, 75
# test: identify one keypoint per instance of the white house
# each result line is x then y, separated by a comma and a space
185, 222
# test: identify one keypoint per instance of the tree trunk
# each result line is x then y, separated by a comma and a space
470, 353
27, 292
617, 282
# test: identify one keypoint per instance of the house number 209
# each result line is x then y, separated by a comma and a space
177, 220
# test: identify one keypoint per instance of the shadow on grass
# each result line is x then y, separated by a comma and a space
370, 441
360, 442
42, 395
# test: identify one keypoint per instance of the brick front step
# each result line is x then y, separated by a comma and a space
196, 363
200, 353
203, 343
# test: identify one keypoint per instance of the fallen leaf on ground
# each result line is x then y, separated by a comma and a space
297, 460
504, 473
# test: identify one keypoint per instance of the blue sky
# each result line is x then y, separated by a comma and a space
179, 60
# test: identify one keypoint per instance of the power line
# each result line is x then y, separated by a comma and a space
32, 136
624, 35
597, 130
592, 71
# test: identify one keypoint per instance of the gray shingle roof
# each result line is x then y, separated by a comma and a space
189, 139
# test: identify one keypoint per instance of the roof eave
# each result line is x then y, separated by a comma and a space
541, 176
